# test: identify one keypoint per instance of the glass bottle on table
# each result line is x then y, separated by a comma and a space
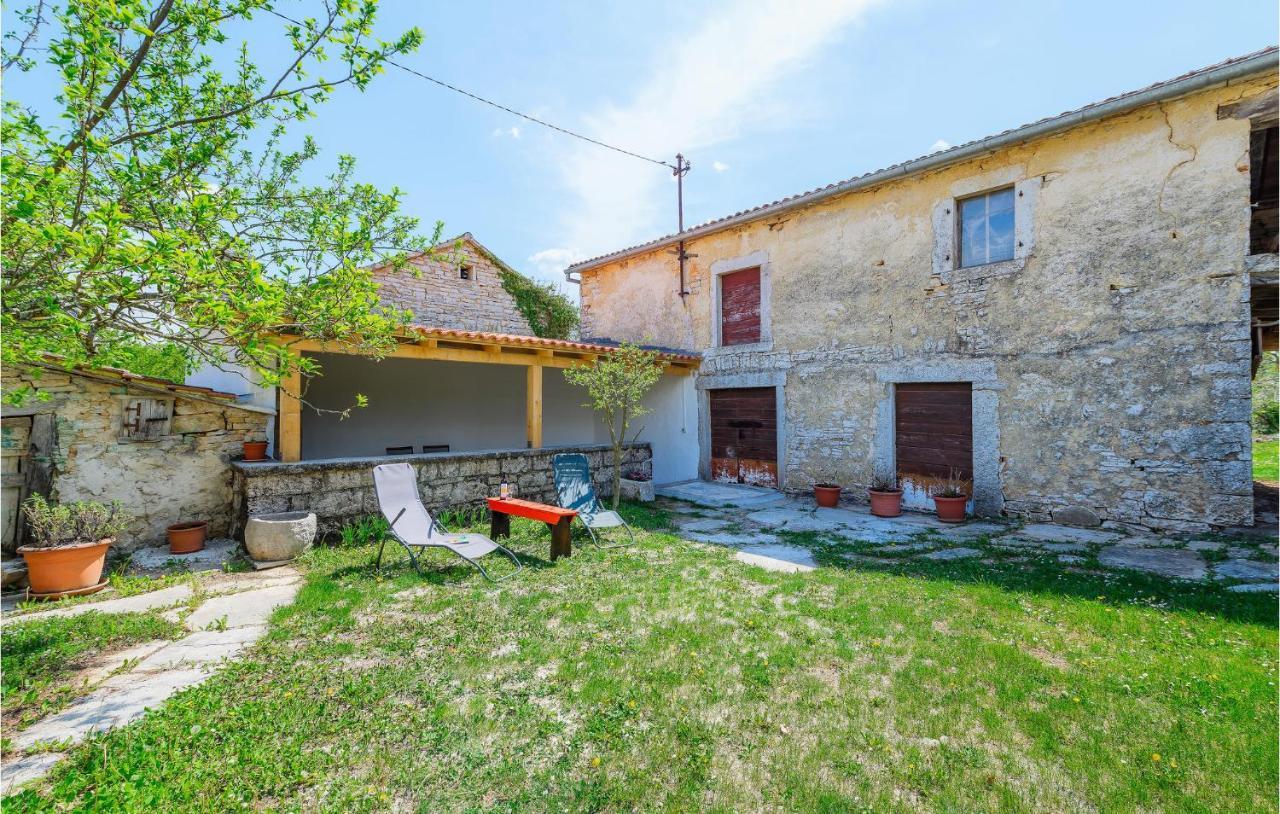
504, 491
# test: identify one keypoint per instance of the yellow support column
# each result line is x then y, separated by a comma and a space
533, 406
289, 444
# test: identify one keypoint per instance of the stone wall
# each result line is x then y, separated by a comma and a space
339, 490
182, 475
1110, 359
433, 289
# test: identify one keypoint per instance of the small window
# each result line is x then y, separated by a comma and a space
145, 419
464, 272
986, 228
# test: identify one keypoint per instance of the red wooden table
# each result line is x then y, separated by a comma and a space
556, 518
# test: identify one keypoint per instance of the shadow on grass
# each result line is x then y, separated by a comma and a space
1021, 570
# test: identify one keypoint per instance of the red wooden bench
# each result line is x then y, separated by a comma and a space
556, 518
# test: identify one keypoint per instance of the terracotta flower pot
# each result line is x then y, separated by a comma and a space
255, 450
184, 538
886, 504
950, 509
65, 568
827, 495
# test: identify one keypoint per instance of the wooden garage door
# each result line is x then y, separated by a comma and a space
934, 425
744, 435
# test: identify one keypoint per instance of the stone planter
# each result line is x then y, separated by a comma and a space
279, 537
638, 490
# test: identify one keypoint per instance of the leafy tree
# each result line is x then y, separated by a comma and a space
161, 204
616, 384
548, 312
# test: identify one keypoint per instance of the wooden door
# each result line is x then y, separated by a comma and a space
934, 429
744, 435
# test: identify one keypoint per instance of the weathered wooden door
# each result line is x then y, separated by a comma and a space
15, 435
934, 429
744, 435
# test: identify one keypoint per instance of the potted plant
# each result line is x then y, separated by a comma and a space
827, 494
950, 494
255, 447
188, 537
637, 484
68, 545
886, 496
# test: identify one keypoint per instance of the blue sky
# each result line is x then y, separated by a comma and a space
766, 97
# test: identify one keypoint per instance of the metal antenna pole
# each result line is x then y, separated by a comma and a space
680, 170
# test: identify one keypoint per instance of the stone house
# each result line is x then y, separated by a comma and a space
458, 285
1064, 314
160, 448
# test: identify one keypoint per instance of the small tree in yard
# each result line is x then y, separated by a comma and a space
616, 383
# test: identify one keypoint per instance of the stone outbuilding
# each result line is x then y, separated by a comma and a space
160, 448
1065, 314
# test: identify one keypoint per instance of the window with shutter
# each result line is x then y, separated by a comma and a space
145, 419
740, 307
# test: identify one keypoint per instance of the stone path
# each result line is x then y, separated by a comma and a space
756, 522
231, 614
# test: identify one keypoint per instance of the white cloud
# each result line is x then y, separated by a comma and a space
704, 89
549, 264
719, 166
940, 145
512, 132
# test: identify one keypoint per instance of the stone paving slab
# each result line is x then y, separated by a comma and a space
120, 700
738, 540
242, 609
1250, 570
1177, 563
25, 769
703, 524
215, 554
1049, 533
705, 493
771, 563
1256, 588
163, 598
200, 649
788, 519
953, 554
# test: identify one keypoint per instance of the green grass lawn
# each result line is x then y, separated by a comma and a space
40, 655
1266, 460
670, 677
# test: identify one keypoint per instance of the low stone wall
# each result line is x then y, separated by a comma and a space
339, 490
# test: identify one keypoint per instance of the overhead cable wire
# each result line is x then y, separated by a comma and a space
527, 117
504, 108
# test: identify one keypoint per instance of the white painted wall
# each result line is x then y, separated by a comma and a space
235, 378
479, 406
671, 427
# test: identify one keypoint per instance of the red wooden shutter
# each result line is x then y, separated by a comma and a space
740, 307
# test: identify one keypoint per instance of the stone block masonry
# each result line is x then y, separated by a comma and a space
434, 290
340, 490
181, 474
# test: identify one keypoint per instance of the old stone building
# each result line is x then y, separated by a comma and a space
161, 449
1060, 313
459, 285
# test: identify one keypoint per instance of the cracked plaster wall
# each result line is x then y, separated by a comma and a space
1119, 341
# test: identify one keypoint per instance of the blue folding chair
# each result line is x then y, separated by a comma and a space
574, 490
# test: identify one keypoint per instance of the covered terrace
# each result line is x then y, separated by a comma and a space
445, 391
